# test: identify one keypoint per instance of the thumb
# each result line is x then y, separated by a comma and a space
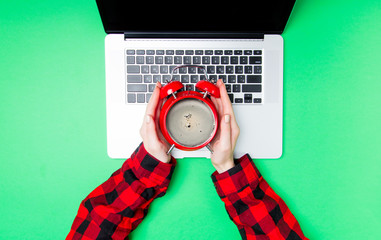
225, 136
150, 128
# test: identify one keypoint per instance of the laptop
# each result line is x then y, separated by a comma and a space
239, 42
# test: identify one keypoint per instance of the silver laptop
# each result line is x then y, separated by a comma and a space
239, 42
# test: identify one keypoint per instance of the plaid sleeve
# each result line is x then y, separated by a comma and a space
254, 207
116, 207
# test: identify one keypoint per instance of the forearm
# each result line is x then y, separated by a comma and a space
116, 207
252, 204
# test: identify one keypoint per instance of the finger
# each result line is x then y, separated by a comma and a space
228, 109
226, 104
154, 100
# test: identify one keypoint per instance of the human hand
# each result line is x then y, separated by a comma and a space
153, 140
225, 140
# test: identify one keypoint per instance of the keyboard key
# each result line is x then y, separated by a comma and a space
257, 52
255, 60
194, 78
196, 60
159, 60
199, 52
130, 52
208, 52
187, 60
228, 52
231, 97
238, 69
136, 88
192, 70
148, 96
254, 78
147, 78
238, 100
150, 52
215, 60
154, 69
150, 59
248, 69
156, 78
210, 70
151, 87
179, 52
140, 52
140, 98
243, 60
189, 52
134, 78
232, 79
229, 69
248, 98
237, 52
169, 52
234, 60
133, 69
163, 69
130, 59
189, 87
224, 60
258, 69
140, 60
178, 60
131, 98
248, 52
205, 60
144, 69
185, 78
251, 88
222, 77
168, 60
257, 100
220, 70
213, 78
159, 52
236, 88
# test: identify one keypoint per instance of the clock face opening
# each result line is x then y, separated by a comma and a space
190, 122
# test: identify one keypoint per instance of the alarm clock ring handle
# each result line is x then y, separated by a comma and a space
207, 86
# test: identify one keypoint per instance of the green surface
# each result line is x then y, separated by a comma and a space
53, 126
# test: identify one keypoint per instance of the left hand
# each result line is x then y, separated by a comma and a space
153, 140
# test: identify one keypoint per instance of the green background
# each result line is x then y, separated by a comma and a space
53, 126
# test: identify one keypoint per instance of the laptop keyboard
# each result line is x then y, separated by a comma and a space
240, 70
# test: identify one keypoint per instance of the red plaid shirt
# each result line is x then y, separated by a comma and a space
117, 207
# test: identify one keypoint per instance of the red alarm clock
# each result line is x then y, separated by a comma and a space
188, 119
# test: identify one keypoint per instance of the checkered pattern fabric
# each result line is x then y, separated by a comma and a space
254, 207
116, 207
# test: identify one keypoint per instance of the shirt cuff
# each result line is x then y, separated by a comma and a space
234, 180
150, 170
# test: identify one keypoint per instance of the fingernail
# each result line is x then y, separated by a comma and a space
227, 118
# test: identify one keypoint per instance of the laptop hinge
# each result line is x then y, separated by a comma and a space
194, 35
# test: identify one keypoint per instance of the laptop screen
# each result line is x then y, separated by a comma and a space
266, 16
